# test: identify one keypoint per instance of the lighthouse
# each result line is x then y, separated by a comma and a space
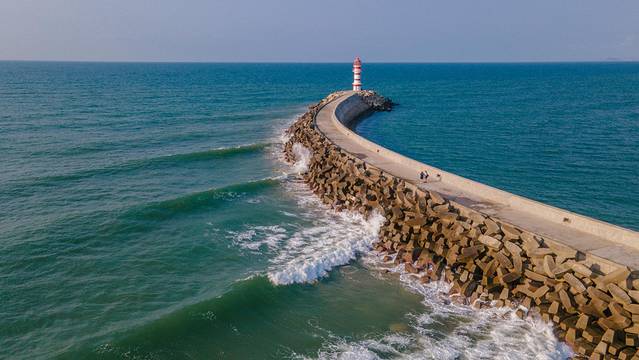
357, 74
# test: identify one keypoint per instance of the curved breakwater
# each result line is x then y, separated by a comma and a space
450, 235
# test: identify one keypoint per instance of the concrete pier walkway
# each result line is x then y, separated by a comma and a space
590, 236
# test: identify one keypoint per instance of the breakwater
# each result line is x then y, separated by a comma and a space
496, 249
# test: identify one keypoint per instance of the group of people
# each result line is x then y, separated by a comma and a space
423, 176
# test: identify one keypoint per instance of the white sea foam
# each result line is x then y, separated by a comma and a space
330, 241
302, 158
447, 330
326, 239
279, 137
257, 237
486, 337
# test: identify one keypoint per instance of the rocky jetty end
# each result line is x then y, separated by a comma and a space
592, 301
375, 101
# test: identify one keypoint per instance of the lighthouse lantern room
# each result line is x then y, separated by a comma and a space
357, 74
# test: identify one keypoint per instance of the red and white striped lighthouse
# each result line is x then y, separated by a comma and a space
357, 74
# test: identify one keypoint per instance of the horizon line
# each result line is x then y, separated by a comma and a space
320, 62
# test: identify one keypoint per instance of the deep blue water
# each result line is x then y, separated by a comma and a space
145, 212
563, 134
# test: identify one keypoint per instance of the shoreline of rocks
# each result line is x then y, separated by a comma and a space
482, 258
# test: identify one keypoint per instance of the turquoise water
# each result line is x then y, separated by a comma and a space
146, 213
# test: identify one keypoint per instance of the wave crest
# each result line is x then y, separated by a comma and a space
163, 160
197, 200
330, 239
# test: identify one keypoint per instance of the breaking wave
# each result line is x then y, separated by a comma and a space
304, 253
334, 240
447, 330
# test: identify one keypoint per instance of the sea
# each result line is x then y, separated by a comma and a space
146, 211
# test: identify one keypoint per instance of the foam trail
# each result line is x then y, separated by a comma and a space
257, 237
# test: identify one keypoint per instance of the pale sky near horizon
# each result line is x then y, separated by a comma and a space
321, 31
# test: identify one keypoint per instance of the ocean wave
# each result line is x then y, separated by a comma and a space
132, 165
198, 200
448, 330
216, 153
330, 239
318, 240
216, 316
334, 241
141, 217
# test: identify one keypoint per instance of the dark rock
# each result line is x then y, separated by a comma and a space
376, 101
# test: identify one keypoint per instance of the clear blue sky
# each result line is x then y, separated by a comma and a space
319, 31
